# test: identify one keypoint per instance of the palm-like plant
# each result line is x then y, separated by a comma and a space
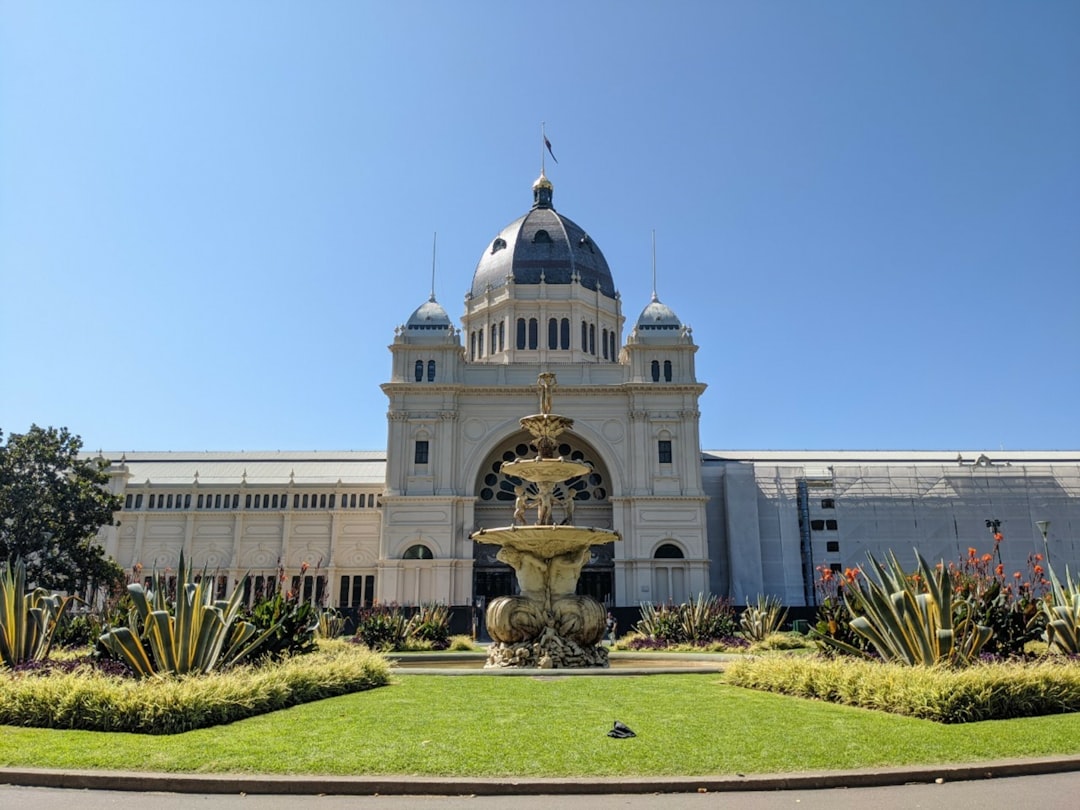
1062, 612
911, 619
763, 618
196, 634
27, 620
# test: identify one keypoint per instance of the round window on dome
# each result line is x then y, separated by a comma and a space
498, 245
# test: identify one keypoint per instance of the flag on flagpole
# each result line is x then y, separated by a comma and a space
547, 143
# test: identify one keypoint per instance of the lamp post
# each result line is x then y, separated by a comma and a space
994, 525
1044, 529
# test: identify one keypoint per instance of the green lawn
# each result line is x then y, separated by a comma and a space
485, 726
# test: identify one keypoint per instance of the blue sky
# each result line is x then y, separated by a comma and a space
213, 215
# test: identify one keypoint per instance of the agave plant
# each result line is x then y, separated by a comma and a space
196, 634
910, 619
1062, 612
760, 620
27, 620
331, 623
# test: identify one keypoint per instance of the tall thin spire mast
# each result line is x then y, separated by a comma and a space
543, 144
654, 264
434, 239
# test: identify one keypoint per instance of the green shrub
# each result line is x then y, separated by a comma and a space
27, 620
706, 620
911, 619
382, 627
763, 618
1062, 613
431, 624
194, 633
331, 623
994, 691
462, 643
89, 700
289, 626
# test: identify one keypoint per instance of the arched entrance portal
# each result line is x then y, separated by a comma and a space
495, 507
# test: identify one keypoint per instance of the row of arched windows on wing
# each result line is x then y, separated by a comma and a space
251, 501
418, 371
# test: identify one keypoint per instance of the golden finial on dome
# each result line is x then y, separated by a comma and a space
542, 182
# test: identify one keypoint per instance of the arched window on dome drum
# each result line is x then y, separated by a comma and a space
667, 371
592, 339
534, 337
668, 551
494, 338
584, 336
418, 552
603, 341
431, 371
480, 343
553, 333
656, 371
521, 333
502, 336
419, 370
611, 337
472, 345
565, 333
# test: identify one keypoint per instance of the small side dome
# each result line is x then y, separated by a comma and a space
429, 316
658, 316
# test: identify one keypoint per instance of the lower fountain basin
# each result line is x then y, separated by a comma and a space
545, 542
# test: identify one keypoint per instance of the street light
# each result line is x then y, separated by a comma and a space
1044, 529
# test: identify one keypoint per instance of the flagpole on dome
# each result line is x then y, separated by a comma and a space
434, 241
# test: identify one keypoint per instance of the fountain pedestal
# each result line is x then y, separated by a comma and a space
546, 625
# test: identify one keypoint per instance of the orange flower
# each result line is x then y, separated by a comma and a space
850, 574
998, 537
1000, 570
1016, 575
1038, 569
304, 567
987, 558
971, 553
826, 575
1038, 558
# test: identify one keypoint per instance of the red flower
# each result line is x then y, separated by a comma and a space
1000, 570
998, 537
1038, 569
987, 558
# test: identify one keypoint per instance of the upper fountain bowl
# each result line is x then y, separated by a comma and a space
548, 470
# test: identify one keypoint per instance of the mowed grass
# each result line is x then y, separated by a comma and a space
520, 726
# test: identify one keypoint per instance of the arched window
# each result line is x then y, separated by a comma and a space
534, 328
542, 237
418, 552
592, 339
584, 336
667, 371
494, 338
472, 345
603, 342
419, 370
521, 333
502, 336
611, 337
479, 342
669, 551
564, 335
656, 371
431, 371
553, 333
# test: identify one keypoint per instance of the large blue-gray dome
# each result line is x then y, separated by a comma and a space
543, 243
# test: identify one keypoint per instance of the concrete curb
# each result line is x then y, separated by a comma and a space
439, 786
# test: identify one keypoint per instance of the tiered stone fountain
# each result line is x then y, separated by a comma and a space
547, 625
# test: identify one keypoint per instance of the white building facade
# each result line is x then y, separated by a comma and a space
350, 528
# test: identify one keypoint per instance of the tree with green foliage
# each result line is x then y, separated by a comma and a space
52, 504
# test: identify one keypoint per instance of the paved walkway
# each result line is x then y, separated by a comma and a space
438, 786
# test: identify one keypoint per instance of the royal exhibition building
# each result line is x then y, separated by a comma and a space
394, 525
